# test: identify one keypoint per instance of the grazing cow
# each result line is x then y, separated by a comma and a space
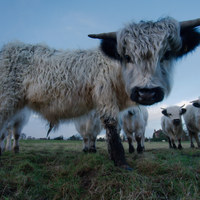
171, 124
14, 129
192, 121
89, 127
134, 120
62, 85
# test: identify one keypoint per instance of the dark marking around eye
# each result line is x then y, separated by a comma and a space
127, 58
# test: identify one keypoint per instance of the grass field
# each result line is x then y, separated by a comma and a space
53, 170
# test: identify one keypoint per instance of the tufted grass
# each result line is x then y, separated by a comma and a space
54, 170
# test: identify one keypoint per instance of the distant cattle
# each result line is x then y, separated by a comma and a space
192, 121
134, 122
89, 126
172, 126
62, 85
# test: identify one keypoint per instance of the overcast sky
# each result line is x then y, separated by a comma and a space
65, 24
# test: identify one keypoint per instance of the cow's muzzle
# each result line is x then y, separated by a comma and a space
147, 96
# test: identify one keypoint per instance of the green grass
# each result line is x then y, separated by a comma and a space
54, 170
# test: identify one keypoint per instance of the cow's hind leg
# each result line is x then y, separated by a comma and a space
191, 134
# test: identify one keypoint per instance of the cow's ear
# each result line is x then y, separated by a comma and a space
190, 40
109, 47
183, 110
164, 112
197, 105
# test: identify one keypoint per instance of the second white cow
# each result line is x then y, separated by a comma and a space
134, 120
171, 124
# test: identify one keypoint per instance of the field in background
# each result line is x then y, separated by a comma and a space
47, 170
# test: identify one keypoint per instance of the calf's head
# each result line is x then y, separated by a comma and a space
146, 51
174, 114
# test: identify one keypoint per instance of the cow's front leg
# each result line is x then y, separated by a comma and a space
139, 146
115, 148
179, 144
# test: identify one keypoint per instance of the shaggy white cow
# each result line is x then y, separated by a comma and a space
62, 85
171, 124
134, 121
14, 129
192, 121
89, 127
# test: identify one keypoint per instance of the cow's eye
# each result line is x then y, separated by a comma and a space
127, 58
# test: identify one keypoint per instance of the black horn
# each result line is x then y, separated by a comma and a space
190, 23
110, 35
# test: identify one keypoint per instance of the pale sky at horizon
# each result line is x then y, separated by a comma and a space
65, 24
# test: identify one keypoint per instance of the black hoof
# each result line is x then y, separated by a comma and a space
126, 167
85, 150
16, 149
192, 146
92, 150
131, 149
140, 149
180, 147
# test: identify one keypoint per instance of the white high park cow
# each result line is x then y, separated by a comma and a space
134, 122
172, 126
61, 85
192, 121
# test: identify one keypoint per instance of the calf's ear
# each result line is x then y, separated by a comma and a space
190, 40
164, 112
183, 110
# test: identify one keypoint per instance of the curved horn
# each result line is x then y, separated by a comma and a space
182, 106
193, 101
190, 23
162, 108
110, 35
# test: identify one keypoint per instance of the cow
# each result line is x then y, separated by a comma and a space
64, 84
172, 126
89, 127
192, 121
134, 121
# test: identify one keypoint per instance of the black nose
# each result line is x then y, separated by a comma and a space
147, 96
130, 113
176, 122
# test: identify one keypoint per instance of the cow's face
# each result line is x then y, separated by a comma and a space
146, 52
174, 114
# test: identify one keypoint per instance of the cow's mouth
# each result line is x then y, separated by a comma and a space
147, 96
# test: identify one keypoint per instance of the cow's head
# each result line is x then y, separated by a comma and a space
174, 114
146, 51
